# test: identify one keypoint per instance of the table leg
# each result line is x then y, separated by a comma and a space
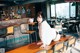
36, 36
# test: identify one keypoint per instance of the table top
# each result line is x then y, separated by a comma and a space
32, 23
29, 32
73, 21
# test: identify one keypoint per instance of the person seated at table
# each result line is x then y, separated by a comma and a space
46, 33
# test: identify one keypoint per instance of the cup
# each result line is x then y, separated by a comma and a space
31, 20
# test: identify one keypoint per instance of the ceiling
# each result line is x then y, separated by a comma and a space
17, 2
21, 2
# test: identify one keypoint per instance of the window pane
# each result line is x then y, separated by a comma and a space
72, 10
62, 10
52, 10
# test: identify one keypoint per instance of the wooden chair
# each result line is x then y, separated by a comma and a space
10, 31
70, 42
3, 32
58, 47
24, 28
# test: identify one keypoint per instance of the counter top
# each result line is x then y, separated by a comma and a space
15, 22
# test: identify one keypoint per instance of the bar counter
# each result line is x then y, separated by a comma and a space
13, 22
16, 39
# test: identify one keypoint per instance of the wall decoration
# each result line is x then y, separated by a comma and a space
28, 12
23, 10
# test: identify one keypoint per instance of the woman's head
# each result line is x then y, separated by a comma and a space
40, 17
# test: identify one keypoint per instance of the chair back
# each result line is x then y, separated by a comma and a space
3, 31
10, 30
58, 47
71, 41
24, 28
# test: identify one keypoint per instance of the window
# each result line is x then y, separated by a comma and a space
62, 10
53, 10
72, 10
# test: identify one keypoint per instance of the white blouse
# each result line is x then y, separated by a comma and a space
47, 34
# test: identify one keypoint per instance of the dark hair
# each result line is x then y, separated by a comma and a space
40, 13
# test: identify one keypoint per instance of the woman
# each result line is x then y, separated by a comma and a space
46, 33
40, 19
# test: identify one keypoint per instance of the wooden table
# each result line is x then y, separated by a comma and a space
32, 24
33, 47
31, 32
